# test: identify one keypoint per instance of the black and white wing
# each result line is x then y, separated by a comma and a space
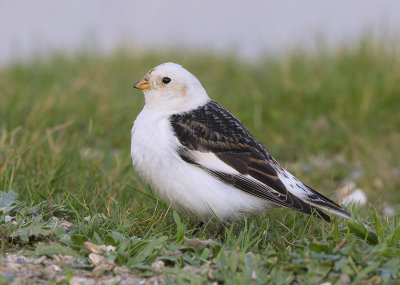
215, 141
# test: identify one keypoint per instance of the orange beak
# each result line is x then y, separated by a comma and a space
142, 84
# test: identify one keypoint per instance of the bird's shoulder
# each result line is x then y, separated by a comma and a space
211, 127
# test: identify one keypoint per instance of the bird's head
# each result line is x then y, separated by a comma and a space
171, 88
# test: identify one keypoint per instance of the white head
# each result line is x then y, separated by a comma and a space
171, 88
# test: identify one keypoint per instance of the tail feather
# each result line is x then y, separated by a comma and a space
321, 202
315, 200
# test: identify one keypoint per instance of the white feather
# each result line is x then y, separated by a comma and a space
187, 187
293, 185
211, 161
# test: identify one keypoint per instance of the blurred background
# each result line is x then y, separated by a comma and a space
249, 29
317, 82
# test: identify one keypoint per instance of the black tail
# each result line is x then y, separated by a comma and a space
318, 200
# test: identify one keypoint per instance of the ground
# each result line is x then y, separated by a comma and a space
74, 211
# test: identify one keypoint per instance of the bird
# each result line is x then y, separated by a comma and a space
203, 162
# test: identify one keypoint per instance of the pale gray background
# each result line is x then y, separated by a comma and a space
248, 28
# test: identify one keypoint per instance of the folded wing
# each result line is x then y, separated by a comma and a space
215, 141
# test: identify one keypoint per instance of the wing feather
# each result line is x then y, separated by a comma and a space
212, 129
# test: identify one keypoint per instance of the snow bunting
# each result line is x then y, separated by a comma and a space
201, 159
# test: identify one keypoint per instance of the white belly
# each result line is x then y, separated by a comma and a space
186, 187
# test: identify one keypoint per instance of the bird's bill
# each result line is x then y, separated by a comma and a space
142, 84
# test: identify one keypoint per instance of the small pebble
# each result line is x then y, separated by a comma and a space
345, 279
388, 211
357, 197
157, 267
253, 276
96, 259
92, 247
35, 213
21, 260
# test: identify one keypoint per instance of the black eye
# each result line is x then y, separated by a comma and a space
166, 80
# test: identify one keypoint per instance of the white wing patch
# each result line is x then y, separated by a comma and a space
297, 188
293, 185
211, 161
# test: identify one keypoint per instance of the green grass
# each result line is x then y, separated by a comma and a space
329, 117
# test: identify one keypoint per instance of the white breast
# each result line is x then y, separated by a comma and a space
187, 187
152, 145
